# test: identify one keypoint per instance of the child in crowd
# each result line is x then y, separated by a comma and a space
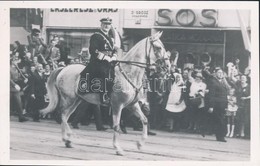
231, 112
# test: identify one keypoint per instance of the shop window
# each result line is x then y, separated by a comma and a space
192, 44
75, 40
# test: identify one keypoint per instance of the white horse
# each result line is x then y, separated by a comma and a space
62, 87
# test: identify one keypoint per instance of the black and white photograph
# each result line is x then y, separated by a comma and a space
130, 81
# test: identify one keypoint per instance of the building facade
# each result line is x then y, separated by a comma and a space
193, 32
190, 32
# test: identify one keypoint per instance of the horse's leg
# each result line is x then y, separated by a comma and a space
136, 107
116, 125
67, 110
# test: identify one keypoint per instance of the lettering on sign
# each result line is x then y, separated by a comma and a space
165, 13
140, 13
88, 10
187, 17
208, 13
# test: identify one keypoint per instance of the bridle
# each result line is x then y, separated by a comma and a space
147, 55
146, 65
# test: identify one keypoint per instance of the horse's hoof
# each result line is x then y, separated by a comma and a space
68, 144
139, 145
120, 153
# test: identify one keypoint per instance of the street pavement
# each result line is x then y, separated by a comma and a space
42, 141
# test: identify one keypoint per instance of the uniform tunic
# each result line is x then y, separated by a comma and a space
97, 68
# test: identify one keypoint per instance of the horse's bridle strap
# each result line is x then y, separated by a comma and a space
140, 64
124, 74
137, 90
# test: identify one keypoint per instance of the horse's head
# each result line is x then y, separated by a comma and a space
157, 55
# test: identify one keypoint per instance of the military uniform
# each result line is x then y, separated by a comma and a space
102, 52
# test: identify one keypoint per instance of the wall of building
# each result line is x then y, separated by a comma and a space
76, 26
22, 21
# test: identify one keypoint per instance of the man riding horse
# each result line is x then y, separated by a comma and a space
103, 52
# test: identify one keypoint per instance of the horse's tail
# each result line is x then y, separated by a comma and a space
53, 93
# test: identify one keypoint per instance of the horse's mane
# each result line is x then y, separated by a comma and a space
133, 50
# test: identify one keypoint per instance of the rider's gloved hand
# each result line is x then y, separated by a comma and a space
107, 58
100, 55
114, 58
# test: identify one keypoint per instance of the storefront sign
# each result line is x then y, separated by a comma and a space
187, 17
89, 10
201, 18
79, 17
138, 18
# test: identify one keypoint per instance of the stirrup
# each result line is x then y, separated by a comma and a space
105, 99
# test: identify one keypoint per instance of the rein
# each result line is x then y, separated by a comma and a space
138, 64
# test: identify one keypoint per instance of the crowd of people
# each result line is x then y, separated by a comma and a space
30, 67
195, 99
204, 100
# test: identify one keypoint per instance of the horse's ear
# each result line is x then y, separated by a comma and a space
156, 36
160, 34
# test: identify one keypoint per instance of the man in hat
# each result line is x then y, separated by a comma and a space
218, 91
102, 53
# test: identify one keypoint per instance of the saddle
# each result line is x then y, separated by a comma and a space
97, 78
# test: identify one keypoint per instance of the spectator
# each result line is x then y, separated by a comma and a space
28, 61
38, 91
81, 112
19, 51
197, 93
248, 74
237, 61
158, 99
231, 113
56, 38
175, 103
64, 50
28, 91
187, 113
244, 110
35, 42
35, 61
189, 60
53, 54
218, 103
47, 72
15, 96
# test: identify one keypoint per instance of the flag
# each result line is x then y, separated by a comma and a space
245, 36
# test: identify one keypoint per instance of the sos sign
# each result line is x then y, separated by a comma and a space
187, 18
